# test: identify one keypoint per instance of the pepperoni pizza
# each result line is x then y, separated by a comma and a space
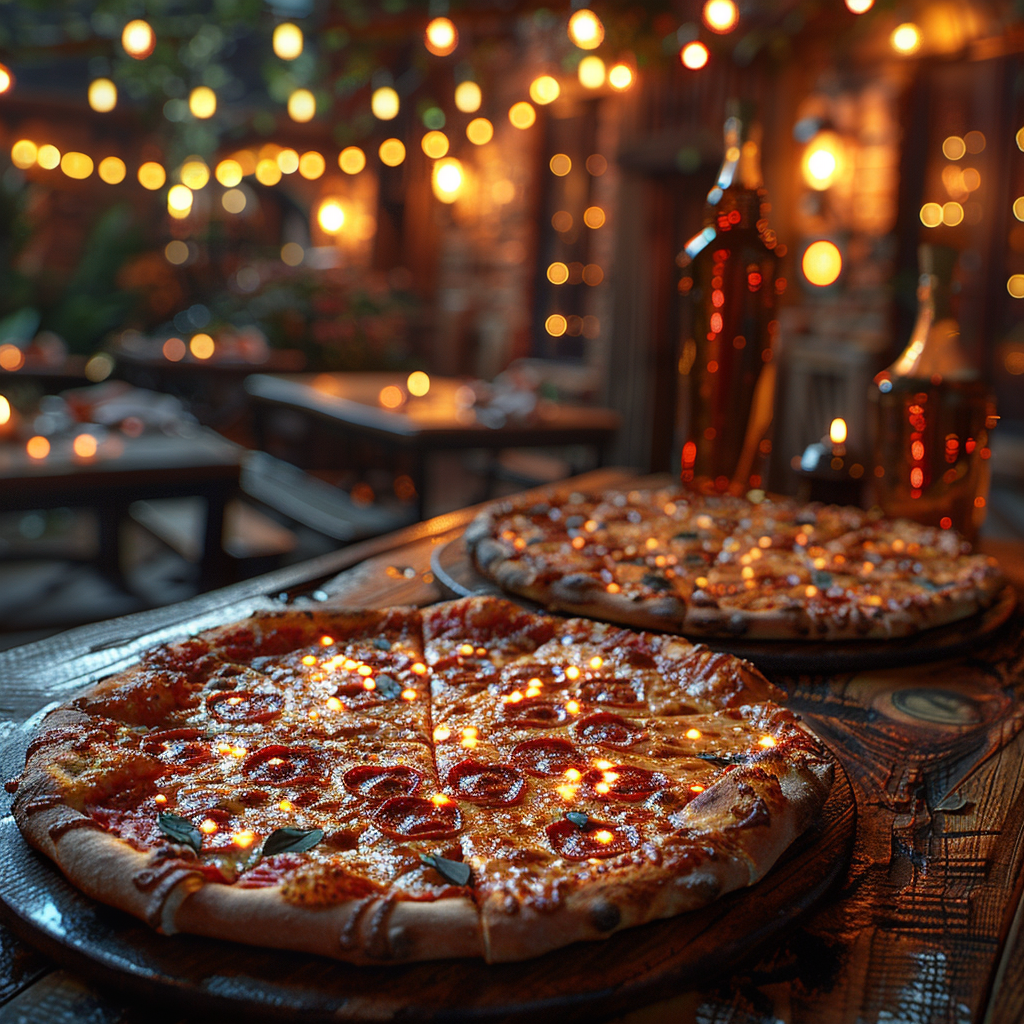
397, 785
724, 566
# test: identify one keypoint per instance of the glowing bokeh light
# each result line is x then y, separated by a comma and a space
195, 174
591, 72
76, 165
84, 446
479, 131
179, 201
24, 153
620, 77
694, 56
418, 383
5, 411
202, 101
931, 215
6, 79
391, 152
1015, 286
953, 148
906, 39
544, 89
441, 37
201, 346
822, 263
556, 325
228, 173
435, 144
267, 172
301, 106
38, 447
837, 431
48, 157
952, 214
288, 41
233, 200
385, 103
152, 176
720, 16
585, 29
330, 216
138, 39
391, 397
447, 179
102, 95
468, 97
522, 115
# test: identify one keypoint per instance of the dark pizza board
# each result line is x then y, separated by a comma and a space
453, 568
586, 981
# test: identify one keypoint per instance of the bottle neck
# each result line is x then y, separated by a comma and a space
740, 185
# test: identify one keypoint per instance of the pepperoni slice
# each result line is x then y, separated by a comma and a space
490, 785
595, 839
244, 706
536, 714
411, 817
547, 757
382, 782
284, 766
609, 730
623, 782
619, 693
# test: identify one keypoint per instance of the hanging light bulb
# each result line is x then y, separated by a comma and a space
721, 16
202, 101
138, 39
822, 160
447, 179
384, 103
102, 95
441, 37
288, 41
586, 30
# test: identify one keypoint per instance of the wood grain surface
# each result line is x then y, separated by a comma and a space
923, 928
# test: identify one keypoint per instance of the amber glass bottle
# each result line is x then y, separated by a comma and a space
726, 373
933, 413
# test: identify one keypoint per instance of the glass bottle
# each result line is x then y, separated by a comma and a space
726, 373
933, 413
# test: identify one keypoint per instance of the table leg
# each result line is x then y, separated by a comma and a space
213, 564
110, 515
418, 473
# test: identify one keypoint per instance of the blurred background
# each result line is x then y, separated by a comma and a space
280, 276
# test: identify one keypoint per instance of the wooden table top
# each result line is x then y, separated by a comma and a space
923, 928
444, 414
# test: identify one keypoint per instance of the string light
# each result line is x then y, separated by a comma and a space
384, 103
560, 165
522, 115
447, 179
351, 159
76, 165
112, 170
418, 383
301, 106
720, 16
859, 6
267, 172
479, 131
202, 102
468, 97
288, 41
228, 173
37, 447
102, 95
195, 174
591, 72
24, 153
152, 176
620, 77
441, 37
435, 144
6, 79
48, 157
330, 216
179, 201
585, 29
694, 56
906, 39
312, 165
391, 152
822, 263
138, 39
202, 346
544, 90
931, 215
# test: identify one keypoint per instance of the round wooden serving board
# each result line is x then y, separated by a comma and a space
453, 568
581, 982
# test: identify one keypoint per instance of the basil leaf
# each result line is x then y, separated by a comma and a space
291, 840
381, 644
180, 830
387, 687
722, 759
578, 818
454, 871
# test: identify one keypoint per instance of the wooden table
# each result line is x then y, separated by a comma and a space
123, 470
925, 926
346, 407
